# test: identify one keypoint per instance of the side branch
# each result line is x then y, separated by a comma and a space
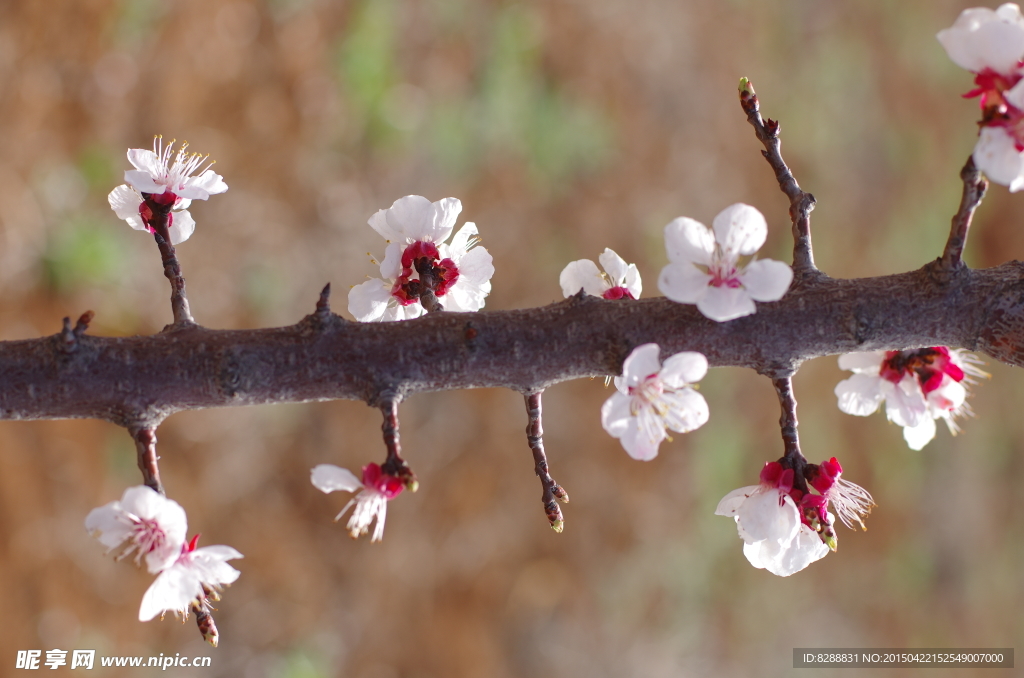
975, 186
138, 381
800, 202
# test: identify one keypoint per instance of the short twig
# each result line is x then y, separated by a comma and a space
793, 458
145, 447
553, 492
323, 305
394, 465
801, 203
975, 186
172, 269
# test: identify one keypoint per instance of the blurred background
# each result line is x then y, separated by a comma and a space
564, 127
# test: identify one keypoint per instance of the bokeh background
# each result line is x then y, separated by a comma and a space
564, 127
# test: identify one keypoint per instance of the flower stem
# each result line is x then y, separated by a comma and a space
553, 492
975, 186
793, 458
172, 269
394, 465
145, 446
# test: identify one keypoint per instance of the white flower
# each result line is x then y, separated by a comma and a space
616, 281
195, 574
768, 522
990, 44
373, 493
918, 386
144, 522
704, 266
416, 230
167, 180
652, 397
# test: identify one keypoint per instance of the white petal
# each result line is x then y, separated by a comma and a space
689, 241
202, 187
368, 301
174, 590
614, 265
412, 217
982, 39
379, 223
768, 515
643, 436
753, 552
328, 478
582, 274
182, 226
146, 161
688, 410
125, 201
1015, 95
461, 242
997, 156
722, 304
866, 362
766, 279
919, 436
391, 267
687, 367
949, 396
740, 229
616, 414
905, 403
806, 548
641, 363
632, 282
209, 564
446, 211
683, 283
143, 182
732, 501
860, 395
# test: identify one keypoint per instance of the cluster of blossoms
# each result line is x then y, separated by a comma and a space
417, 261
990, 44
785, 529
371, 498
164, 178
918, 387
153, 527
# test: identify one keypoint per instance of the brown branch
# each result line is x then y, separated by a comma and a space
172, 269
138, 381
975, 186
394, 465
552, 491
145, 447
801, 203
793, 457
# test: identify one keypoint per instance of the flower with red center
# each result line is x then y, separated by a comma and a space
918, 386
653, 397
769, 523
145, 523
990, 44
164, 179
373, 493
852, 502
704, 265
618, 280
193, 578
417, 258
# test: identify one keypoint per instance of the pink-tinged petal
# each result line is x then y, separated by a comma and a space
412, 217
687, 410
643, 436
683, 283
143, 182
806, 548
904, 402
632, 282
614, 265
732, 501
683, 368
982, 39
368, 301
379, 223
391, 267
766, 279
689, 241
997, 156
464, 239
860, 395
446, 211
616, 414
722, 304
182, 227
582, 274
125, 202
641, 363
329, 478
740, 229
919, 436
768, 515
862, 362
146, 161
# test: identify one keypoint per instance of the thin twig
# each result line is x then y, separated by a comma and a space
975, 186
145, 447
394, 465
553, 492
172, 269
801, 203
793, 457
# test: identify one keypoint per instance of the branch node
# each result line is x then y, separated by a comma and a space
552, 491
83, 323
